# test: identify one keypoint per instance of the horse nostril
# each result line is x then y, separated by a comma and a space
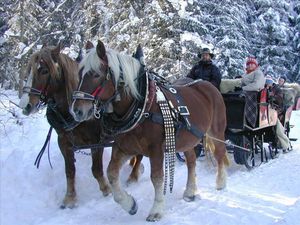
78, 112
27, 109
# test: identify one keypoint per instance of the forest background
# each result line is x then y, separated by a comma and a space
171, 33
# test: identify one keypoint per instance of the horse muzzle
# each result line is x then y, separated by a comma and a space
80, 115
28, 109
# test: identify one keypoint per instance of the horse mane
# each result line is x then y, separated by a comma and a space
130, 68
67, 67
70, 71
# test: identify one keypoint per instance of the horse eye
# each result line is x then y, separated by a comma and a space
93, 74
43, 71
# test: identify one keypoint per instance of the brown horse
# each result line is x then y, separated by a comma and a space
116, 76
51, 78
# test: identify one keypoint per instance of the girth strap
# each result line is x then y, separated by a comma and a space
158, 118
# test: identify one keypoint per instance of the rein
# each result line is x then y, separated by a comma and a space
39, 156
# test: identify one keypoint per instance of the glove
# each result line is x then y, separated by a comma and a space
237, 89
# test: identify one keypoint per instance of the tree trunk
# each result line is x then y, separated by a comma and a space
21, 72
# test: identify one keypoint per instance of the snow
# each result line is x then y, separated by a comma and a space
269, 194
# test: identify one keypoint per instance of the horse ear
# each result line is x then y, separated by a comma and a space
55, 52
139, 54
44, 45
101, 52
89, 45
79, 57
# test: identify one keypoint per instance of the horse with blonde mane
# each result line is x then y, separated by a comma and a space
51, 78
111, 81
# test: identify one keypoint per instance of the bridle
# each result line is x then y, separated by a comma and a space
95, 97
41, 92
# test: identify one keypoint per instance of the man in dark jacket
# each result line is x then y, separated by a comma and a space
205, 69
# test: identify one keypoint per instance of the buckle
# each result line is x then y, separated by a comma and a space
183, 110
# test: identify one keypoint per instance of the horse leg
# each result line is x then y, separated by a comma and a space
127, 202
70, 198
97, 170
220, 155
137, 166
191, 186
157, 179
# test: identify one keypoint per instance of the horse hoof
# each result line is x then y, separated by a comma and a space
134, 208
68, 203
189, 198
106, 191
69, 206
220, 187
154, 217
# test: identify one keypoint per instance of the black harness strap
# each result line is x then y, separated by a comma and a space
39, 156
157, 118
57, 121
183, 113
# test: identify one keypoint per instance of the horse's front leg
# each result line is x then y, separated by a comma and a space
157, 178
97, 169
70, 198
118, 158
191, 185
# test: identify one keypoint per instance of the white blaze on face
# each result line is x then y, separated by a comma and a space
73, 103
25, 97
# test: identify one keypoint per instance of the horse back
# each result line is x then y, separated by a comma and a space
185, 81
203, 100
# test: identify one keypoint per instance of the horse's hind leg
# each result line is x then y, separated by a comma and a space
220, 155
97, 169
118, 158
137, 166
70, 198
191, 186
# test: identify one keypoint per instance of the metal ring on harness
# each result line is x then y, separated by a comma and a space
172, 90
97, 111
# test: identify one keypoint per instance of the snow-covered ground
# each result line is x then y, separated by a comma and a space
269, 194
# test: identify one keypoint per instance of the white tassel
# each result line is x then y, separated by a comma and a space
109, 108
159, 95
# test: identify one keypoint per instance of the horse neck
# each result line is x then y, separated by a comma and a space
66, 85
59, 95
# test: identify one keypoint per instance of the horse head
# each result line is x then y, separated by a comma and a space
46, 76
103, 73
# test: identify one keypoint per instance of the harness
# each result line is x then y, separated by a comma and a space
114, 125
41, 92
56, 121
172, 118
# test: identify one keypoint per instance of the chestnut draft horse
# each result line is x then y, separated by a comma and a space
51, 78
114, 77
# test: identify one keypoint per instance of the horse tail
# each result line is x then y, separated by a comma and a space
210, 146
226, 160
